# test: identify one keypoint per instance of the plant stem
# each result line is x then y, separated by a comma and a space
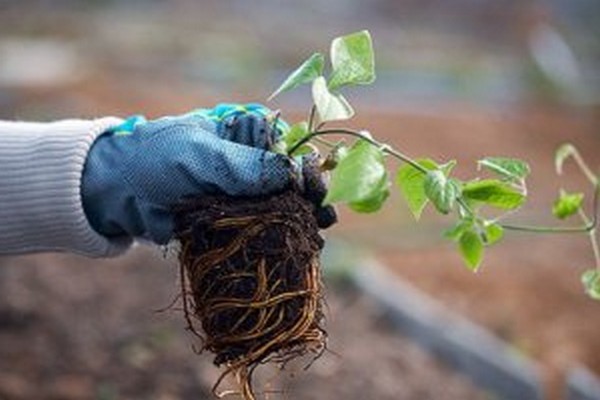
585, 168
325, 142
589, 227
549, 229
594, 180
592, 237
340, 131
311, 118
465, 206
592, 233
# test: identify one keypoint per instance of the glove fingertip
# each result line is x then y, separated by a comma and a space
326, 216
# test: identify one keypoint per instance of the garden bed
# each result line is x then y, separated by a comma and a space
528, 291
71, 329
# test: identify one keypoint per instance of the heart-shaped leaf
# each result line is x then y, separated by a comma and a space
493, 192
509, 169
330, 106
359, 175
411, 182
352, 60
375, 201
441, 190
310, 69
471, 248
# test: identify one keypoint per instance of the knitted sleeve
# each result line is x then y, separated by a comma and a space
41, 166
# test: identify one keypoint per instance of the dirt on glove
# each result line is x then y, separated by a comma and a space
251, 280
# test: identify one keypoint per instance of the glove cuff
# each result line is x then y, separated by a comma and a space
40, 188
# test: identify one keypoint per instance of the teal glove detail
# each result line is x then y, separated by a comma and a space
226, 111
222, 115
136, 172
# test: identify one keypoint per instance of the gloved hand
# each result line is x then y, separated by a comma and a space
136, 172
315, 190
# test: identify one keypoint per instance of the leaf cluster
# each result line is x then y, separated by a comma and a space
361, 178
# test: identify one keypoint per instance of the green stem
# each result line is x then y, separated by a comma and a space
311, 118
325, 142
589, 227
594, 180
465, 206
595, 248
340, 131
592, 237
549, 229
585, 168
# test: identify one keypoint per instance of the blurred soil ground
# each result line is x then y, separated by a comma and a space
528, 291
75, 329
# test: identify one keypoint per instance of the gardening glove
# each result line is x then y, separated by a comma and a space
315, 190
136, 172
313, 180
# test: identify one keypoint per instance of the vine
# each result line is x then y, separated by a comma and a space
361, 180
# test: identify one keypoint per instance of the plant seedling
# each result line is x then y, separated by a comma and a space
361, 180
250, 267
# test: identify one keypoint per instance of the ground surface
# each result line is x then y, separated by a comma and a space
528, 291
75, 329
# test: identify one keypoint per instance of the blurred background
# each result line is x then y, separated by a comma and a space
456, 80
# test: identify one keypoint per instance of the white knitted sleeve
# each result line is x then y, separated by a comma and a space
41, 165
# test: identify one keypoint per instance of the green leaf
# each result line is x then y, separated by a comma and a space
591, 282
411, 182
340, 152
567, 204
358, 176
304, 149
440, 190
296, 133
353, 60
493, 192
330, 106
310, 69
493, 233
471, 248
459, 228
374, 202
290, 138
565, 151
509, 169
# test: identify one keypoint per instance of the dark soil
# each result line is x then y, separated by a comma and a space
251, 279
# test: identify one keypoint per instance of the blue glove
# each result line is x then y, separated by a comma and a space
135, 173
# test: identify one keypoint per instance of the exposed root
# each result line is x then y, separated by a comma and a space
250, 278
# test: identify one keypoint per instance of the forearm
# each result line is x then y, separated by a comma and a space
41, 166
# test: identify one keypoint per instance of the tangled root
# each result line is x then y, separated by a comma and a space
250, 277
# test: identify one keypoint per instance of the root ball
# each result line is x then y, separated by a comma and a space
251, 280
